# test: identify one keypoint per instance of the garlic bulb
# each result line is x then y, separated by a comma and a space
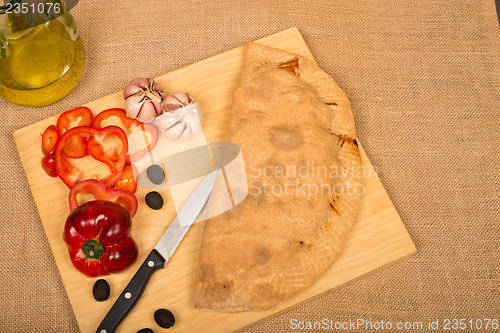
143, 99
181, 118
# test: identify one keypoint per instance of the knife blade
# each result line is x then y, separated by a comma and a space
159, 256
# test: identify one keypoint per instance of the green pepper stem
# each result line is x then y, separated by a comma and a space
92, 249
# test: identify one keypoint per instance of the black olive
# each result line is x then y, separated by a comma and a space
145, 330
154, 200
155, 174
101, 290
164, 318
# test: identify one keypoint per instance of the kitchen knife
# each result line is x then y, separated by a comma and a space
159, 255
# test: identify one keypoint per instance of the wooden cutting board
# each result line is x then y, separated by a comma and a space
377, 239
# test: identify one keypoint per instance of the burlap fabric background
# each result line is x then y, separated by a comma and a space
424, 81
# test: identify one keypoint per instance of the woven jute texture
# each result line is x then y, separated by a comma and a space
423, 77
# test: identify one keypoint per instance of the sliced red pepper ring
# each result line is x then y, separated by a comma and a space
96, 150
127, 180
101, 191
131, 125
49, 139
69, 174
79, 116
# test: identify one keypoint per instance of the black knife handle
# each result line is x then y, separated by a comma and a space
131, 293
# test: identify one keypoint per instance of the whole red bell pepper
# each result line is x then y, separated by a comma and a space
102, 192
69, 174
131, 125
97, 235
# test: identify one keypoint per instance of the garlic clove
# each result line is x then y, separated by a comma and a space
141, 82
133, 105
187, 134
175, 131
147, 111
182, 97
176, 100
131, 90
166, 120
157, 107
155, 86
170, 103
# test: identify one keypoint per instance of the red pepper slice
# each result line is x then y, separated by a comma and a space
49, 139
96, 150
127, 180
65, 170
79, 116
76, 147
131, 125
97, 235
69, 174
101, 191
49, 165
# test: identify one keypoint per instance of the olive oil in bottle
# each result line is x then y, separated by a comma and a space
41, 64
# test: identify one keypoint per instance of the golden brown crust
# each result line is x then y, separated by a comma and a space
273, 245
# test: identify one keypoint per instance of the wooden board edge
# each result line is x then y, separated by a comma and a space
411, 252
47, 238
364, 155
